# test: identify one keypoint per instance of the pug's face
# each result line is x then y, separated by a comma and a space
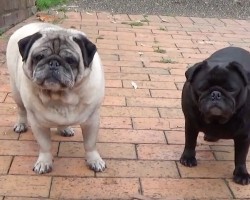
218, 90
56, 59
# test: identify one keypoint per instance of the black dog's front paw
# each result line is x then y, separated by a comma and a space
188, 161
241, 175
243, 179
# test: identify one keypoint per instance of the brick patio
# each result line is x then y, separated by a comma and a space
142, 130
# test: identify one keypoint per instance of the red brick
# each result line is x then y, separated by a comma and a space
61, 167
178, 137
73, 15
55, 136
225, 153
25, 186
7, 133
148, 70
114, 42
5, 162
159, 77
108, 188
177, 71
215, 21
116, 122
115, 111
168, 19
113, 83
185, 188
114, 101
3, 95
13, 147
24, 198
151, 123
154, 102
184, 20
107, 46
136, 168
127, 76
124, 63
8, 109
208, 169
169, 94
170, 152
131, 136
121, 17
127, 92
112, 69
239, 191
75, 149
171, 113
150, 85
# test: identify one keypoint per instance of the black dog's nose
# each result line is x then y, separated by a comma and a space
53, 64
215, 95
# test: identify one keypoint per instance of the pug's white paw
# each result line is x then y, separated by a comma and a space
67, 132
20, 127
43, 164
95, 162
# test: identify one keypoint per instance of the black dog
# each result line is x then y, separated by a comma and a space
216, 101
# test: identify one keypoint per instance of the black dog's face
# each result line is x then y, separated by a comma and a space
218, 91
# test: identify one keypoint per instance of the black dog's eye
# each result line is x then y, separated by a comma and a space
39, 57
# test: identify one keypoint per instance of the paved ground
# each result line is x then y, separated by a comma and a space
141, 136
193, 8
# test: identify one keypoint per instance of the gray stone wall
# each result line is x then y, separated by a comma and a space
14, 11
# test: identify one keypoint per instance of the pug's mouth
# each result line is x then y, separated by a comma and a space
54, 80
216, 114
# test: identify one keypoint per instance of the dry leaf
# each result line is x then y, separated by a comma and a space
134, 85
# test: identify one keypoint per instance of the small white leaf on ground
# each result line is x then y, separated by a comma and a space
134, 85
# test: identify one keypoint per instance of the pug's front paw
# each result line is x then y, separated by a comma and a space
67, 132
20, 127
95, 162
43, 164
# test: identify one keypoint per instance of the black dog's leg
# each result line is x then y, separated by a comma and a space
188, 156
241, 175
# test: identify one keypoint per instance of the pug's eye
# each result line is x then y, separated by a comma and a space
70, 60
39, 57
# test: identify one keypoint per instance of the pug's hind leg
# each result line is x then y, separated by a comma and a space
45, 158
66, 132
21, 125
90, 131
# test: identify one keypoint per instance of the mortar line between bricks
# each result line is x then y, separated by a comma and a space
165, 136
52, 177
141, 188
177, 167
229, 188
12, 159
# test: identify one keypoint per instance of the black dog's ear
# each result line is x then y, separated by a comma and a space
87, 47
26, 43
240, 70
192, 71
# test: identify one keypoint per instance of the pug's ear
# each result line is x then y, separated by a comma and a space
192, 71
237, 67
26, 43
87, 47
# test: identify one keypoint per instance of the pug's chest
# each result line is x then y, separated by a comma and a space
62, 110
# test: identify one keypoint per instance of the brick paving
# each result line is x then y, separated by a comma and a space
142, 130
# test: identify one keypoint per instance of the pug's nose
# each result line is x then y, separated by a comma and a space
215, 95
53, 64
